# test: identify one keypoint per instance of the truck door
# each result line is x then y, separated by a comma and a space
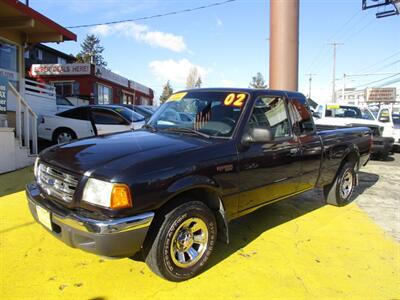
269, 171
310, 142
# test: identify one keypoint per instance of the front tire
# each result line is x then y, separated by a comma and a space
184, 242
63, 135
339, 192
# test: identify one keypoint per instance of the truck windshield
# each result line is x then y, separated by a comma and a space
211, 113
342, 111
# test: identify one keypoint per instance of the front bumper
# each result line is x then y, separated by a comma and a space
114, 237
382, 145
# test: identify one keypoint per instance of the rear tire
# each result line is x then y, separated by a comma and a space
339, 192
63, 135
184, 242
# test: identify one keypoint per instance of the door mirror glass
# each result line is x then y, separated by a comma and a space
258, 135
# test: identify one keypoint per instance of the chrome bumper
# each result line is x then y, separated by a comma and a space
114, 237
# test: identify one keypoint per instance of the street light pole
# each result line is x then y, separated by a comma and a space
334, 45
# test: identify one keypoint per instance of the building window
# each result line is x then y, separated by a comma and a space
127, 99
144, 101
8, 57
61, 61
104, 94
64, 88
39, 55
26, 54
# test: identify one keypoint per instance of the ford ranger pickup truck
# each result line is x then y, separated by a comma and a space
169, 190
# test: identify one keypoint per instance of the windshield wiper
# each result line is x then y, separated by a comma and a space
187, 130
149, 126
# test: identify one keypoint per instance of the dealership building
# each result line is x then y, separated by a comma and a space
95, 84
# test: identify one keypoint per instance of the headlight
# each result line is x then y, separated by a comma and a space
35, 168
106, 194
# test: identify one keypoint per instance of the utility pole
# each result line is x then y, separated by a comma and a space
310, 76
334, 45
344, 85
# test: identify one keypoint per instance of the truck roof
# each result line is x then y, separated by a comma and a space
254, 92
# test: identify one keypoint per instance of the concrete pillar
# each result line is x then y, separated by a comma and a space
284, 44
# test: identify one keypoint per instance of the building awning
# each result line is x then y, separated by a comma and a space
31, 26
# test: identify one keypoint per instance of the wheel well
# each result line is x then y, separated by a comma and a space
352, 157
55, 132
205, 195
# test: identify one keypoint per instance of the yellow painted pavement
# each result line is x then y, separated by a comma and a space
295, 249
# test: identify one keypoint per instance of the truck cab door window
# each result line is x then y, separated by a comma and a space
269, 170
270, 113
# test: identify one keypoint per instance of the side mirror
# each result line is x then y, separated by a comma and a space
316, 115
258, 135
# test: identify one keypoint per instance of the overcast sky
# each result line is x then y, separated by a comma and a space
229, 43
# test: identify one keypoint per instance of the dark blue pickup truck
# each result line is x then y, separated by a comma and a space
207, 156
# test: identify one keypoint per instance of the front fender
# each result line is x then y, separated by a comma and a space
192, 182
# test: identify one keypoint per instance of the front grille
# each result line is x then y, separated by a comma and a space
56, 183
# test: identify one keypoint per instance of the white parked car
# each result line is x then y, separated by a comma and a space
390, 117
85, 121
334, 115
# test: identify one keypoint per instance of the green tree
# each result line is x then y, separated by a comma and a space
258, 82
167, 92
91, 51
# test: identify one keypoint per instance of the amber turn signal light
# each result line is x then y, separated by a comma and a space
121, 197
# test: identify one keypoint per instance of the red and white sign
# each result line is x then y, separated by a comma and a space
380, 94
58, 69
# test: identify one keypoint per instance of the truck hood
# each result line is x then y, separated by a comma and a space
116, 152
346, 121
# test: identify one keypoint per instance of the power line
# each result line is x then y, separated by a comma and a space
156, 16
389, 82
366, 84
391, 64
359, 31
322, 49
380, 61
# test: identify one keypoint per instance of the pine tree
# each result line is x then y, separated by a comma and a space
166, 93
258, 82
91, 51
